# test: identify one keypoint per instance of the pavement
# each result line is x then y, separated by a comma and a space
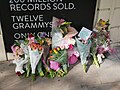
107, 77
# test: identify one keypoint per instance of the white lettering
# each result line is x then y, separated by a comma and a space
17, 36
13, 18
34, 25
30, 7
15, 26
27, 18
31, 25
16, 1
65, 6
24, 35
18, 7
24, 7
26, 26
10, 1
20, 18
12, 7
44, 1
21, 25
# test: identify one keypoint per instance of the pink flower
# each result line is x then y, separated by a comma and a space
70, 46
31, 38
54, 65
100, 50
16, 48
13, 48
73, 59
61, 21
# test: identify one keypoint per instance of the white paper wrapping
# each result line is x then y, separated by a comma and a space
19, 65
34, 58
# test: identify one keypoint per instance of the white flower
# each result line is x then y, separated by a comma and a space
66, 46
62, 47
100, 57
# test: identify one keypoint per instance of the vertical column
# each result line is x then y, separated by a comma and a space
104, 9
2, 48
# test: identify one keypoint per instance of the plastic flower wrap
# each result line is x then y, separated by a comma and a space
84, 50
37, 49
35, 52
83, 45
62, 34
62, 41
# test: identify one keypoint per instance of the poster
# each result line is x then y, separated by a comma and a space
21, 17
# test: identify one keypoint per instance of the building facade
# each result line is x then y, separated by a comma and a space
105, 9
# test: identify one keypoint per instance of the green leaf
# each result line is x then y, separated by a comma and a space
63, 58
96, 61
66, 23
65, 68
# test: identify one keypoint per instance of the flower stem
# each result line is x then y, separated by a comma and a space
96, 61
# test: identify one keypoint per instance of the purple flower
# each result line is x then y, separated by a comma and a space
43, 34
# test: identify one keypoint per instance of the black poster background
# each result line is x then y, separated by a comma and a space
83, 15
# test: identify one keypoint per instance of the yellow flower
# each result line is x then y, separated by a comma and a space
55, 51
41, 42
103, 22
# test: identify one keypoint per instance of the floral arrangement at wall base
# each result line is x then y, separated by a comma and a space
52, 56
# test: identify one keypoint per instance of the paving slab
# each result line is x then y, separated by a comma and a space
107, 77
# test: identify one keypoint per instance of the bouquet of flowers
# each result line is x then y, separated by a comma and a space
101, 41
58, 61
38, 53
83, 45
29, 53
62, 41
35, 52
